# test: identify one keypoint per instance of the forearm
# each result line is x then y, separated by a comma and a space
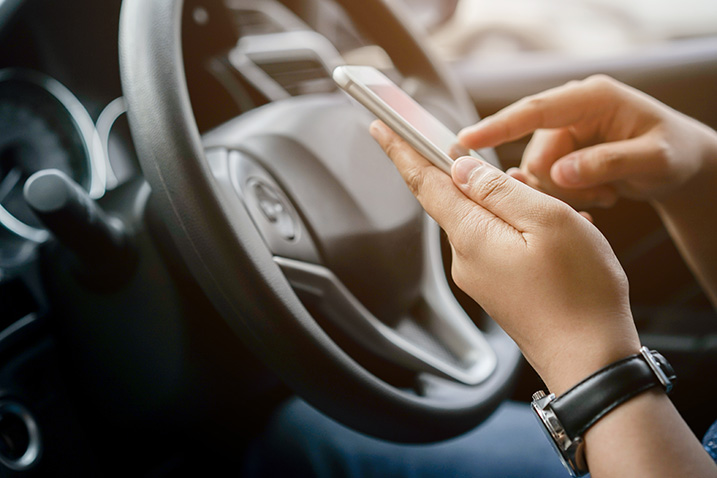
691, 219
646, 437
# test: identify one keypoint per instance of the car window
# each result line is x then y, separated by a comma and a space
574, 28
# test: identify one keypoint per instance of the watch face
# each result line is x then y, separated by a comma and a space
571, 457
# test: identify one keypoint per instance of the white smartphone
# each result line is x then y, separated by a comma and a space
403, 114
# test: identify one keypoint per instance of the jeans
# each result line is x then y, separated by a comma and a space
301, 442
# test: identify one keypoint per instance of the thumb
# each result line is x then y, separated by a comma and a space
603, 163
504, 196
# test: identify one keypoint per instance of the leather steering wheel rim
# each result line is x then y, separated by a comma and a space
232, 264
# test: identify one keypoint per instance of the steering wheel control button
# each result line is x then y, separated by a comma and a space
19, 437
250, 186
272, 206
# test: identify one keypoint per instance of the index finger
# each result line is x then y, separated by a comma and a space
555, 108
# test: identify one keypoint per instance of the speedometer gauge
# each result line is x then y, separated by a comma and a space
42, 125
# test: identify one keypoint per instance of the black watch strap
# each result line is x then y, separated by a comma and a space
587, 402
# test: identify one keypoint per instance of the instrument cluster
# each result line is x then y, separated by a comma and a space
43, 125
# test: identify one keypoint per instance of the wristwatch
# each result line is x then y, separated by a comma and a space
565, 419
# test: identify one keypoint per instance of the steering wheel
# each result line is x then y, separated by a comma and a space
293, 207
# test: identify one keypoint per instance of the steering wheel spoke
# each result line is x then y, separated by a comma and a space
422, 340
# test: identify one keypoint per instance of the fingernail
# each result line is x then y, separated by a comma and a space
468, 130
377, 130
473, 128
568, 169
464, 168
606, 198
465, 131
517, 173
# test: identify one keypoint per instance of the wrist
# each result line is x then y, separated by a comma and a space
569, 417
571, 362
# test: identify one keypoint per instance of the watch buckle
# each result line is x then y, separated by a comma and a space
656, 369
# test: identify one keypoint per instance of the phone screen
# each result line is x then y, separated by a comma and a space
424, 122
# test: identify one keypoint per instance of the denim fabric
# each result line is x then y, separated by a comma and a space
301, 442
710, 441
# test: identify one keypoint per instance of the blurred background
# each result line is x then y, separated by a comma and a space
508, 29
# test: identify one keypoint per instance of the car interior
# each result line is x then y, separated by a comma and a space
195, 224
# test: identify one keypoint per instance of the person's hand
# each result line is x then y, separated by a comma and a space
539, 268
598, 139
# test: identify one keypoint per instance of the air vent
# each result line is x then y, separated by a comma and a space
255, 22
300, 76
286, 64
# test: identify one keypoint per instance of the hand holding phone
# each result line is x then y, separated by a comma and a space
403, 114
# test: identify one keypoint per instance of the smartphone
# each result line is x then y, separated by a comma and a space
403, 114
